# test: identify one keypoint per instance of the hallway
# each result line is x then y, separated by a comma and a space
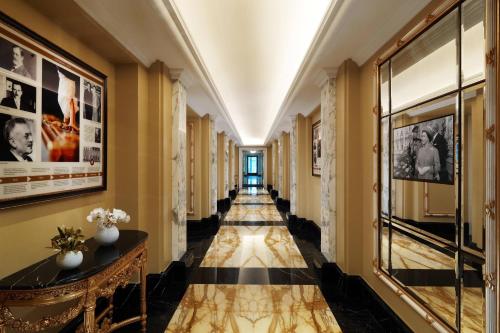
253, 278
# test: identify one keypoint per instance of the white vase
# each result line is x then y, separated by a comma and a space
107, 236
69, 260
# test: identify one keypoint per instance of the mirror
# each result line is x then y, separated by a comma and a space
433, 166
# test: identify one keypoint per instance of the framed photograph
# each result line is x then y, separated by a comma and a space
52, 120
424, 151
316, 149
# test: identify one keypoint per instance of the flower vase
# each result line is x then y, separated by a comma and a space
107, 236
69, 260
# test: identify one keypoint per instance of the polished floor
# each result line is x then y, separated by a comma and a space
247, 245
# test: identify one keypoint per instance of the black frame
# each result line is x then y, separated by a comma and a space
456, 247
316, 124
413, 124
23, 30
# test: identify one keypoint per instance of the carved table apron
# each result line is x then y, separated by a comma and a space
84, 294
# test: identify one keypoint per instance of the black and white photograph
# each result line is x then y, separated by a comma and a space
17, 59
97, 135
92, 101
425, 151
17, 141
60, 114
316, 149
92, 155
17, 95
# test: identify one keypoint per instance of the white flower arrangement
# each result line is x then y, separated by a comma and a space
106, 218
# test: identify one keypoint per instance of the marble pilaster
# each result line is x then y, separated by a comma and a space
275, 152
293, 167
226, 166
213, 167
179, 229
328, 172
280, 166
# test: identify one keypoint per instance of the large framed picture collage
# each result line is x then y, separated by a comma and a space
52, 120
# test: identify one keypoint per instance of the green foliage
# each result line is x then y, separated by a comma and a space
68, 239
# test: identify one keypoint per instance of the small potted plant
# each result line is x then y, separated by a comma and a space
106, 220
70, 244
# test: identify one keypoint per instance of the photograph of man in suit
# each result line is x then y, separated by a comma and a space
18, 65
15, 99
441, 145
19, 138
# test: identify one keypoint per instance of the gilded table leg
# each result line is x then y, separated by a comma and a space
89, 314
143, 297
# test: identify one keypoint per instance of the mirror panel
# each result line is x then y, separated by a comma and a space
472, 295
423, 167
428, 66
473, 41
384, 88
426, 269
473, 168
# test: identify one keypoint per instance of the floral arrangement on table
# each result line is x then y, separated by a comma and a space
69, 243
107, 220
68, 239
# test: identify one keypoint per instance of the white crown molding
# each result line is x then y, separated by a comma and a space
330, 15
181, 75
324, 75
172, 15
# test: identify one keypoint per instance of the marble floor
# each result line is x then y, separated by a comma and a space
253, 213
246, 280
253, 308
253, 246
253, 191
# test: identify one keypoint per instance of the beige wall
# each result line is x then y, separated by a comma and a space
139, 153
237, 169
205, 166
308, 186
286, 166
231, 164
25, 232
220, 166
194, 166
269, 166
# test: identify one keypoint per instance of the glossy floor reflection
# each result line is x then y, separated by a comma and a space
253, 199
253, 308
253, 191
253, 213
253, 246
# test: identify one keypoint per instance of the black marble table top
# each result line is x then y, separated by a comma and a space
46, 273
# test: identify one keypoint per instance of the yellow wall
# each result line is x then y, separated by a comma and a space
308, 186
194, 169
205, 166
220, 166
26, 231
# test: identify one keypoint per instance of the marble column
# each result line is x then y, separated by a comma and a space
280, 166
231, 176
274, 175
226, 166
328, 172
293, 166
179, 97
213, 167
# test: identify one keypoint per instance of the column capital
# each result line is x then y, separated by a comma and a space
324, 75
181, 75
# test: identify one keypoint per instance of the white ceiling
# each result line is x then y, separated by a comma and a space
253, 50
252, 63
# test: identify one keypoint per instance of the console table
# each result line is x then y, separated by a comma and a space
104, 269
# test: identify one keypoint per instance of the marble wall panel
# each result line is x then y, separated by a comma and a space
226, 166
213, 167
328, 172
179, 97
293, 167
280, 166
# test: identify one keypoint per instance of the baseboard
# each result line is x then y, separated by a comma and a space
283, 205
199, 229
305, 229
336, 285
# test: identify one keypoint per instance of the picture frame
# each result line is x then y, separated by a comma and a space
409, 162
316, 149
53, 120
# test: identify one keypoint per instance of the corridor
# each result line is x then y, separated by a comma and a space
253, 278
